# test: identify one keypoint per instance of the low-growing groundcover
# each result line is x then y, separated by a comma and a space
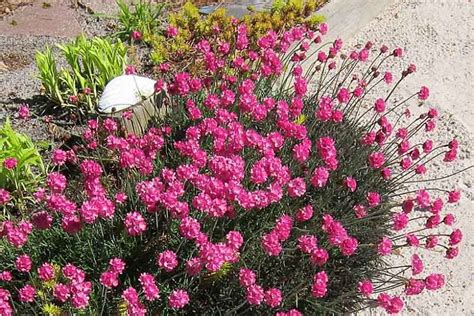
266, 189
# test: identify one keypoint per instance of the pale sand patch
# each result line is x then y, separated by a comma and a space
437, 36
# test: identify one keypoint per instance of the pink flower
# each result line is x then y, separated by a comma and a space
416, 264
247, 277
296, 187
385, 246
349, 246
193, 266
6, 276
424, 93
455, 237
307, 243
171, 31
400, 221
61, 292
388, 78
414, 287
23, 263
304, 213
360, 210
373, 199
319, 256
366, 288
135, 224
4, 196
273, 297
117, 265
109, 279
189, 228
323, 28
431, 242
136, 35
59, 157
10, 163
167, 260
454, 196
27, 293
452, 252
376, 160
449, 219
350, 183
24, 112
178, 299
320, 177
255, 294
46, 272
271, 244
434, 281
319, 288
149, 286
412, 240
300, 86
379, 105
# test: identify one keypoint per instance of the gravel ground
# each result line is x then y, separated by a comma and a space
437, 37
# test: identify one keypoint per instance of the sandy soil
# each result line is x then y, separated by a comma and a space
437, 36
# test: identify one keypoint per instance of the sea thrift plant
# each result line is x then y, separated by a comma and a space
268, 188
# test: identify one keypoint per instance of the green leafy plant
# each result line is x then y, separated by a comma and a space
144, 18
91, 64
24, 178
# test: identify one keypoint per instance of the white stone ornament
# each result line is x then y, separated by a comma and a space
124, 92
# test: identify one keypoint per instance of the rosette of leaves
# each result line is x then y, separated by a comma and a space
25, 177
91, 64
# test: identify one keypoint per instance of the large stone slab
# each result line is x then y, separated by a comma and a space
55, 18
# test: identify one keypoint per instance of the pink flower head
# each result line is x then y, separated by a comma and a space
149, 286
366, 288
296, 187
27, 293
373, 199
452, 252
434, 281
273, 297
4, 196
46, 272
24, 112
424, 93
167, 260
307, 243
319, 256
109, 279
379, 105
136, 35
255, 294
116, 265
319, 288
320, 177
349, 246
455, 237
135, 224
304, 213
10, 163
171, 31
416, 264
247, 277
350, 183
376, 160
385, 246
178, 299
454, 196
400, 221
61, 292
23, 263
414, 287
